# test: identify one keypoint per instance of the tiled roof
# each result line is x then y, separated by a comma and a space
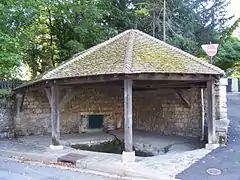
131, 52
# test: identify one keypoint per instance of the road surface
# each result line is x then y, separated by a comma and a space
225, 159
14, 170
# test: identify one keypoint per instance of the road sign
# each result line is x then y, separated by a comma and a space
210, 49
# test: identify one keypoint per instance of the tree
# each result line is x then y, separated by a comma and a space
10, 49
52, 31
44, 33
9, 56
229, 54
189, 23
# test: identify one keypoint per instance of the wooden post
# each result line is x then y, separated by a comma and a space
128, 140
211, 112
55, 114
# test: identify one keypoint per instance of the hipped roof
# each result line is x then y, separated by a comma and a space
130, 52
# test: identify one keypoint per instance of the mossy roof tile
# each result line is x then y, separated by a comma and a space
148, 54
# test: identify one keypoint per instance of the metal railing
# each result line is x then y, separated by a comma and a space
10, 84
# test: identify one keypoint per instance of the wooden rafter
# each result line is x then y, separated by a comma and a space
48, 93
184, 100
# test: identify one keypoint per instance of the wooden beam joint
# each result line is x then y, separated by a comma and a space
184, 100
66, 98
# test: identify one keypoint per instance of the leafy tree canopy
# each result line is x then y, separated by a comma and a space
44, 33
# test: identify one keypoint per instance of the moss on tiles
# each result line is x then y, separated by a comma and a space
108, 59
148, 55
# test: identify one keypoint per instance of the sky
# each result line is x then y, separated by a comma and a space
234, 8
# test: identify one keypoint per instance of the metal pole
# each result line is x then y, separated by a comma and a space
164, 20
154, 22
211, 60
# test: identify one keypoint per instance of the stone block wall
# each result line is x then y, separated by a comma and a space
164, 112
6, 118
107, 101
157, 111
221, 99
35, 117
222, 120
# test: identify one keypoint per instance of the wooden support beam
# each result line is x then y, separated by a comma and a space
170, 77
156, 83
148, 85
55, 114
19, 102
136, 76
67, 97
128, 139
48, 93
115, 77
211, 112
184, 100
22, 100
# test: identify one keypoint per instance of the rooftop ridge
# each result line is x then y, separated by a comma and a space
79, 56
128, 53
206, 64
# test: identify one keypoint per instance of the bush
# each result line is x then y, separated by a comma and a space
5, 93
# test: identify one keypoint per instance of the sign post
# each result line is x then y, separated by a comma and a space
210, 50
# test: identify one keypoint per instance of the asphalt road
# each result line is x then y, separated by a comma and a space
14, 170
225, 159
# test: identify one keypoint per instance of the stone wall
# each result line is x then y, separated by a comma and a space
222, 120
6, 120
221, 99
163, 111
107, 101
34, 118
157, 111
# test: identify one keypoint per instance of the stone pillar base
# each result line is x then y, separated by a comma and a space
211, 146
128, 157
58, 147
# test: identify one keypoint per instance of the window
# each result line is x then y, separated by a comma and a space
95, 121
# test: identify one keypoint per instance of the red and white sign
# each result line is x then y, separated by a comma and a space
210, 49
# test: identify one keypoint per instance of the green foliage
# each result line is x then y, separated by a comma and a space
10, 49
229, 54
9, 56
189, 23
50, 32
4, 93
44, 33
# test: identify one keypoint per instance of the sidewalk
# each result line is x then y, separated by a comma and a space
161, 167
